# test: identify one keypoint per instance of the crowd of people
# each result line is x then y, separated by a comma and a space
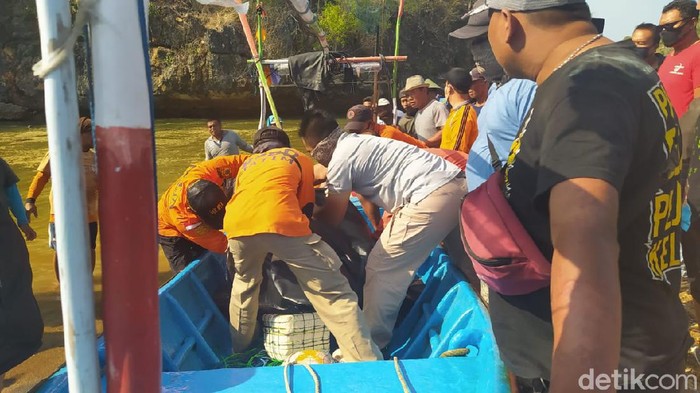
592, 143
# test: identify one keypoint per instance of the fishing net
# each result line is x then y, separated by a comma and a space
284, 335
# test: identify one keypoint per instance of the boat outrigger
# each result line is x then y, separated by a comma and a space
176, 338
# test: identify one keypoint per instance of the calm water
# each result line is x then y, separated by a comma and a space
179, 143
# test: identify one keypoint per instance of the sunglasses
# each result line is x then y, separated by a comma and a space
671, 25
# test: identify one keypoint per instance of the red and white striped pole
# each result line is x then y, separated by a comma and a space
126, 168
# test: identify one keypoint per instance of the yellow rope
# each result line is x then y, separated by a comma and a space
397, 367
451, 353
317, 382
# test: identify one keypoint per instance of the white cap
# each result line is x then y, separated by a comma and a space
383, 102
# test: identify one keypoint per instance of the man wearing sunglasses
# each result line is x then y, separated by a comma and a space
680, 74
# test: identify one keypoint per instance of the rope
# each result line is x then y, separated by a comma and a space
399, 373
317, 382
60, 54
453, 353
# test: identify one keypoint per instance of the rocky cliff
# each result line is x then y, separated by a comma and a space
199, 58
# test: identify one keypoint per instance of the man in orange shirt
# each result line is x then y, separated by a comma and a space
360, 121
269, 212
42, 177
191, 210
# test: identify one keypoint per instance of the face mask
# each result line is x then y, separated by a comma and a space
323, 152
671, 37
484, 57
643, 53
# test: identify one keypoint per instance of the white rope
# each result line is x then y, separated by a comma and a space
317, 382
397, 368
60, 53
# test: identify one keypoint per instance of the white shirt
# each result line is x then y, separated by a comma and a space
389, 173
430, 120
227, 146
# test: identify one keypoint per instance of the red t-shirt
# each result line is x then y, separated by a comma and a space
680, 74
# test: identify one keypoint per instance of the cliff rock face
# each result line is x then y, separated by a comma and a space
198, 58
21, 94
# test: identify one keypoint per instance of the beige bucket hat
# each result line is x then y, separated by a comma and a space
415, 82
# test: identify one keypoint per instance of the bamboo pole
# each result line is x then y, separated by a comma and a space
395, 76
256, 58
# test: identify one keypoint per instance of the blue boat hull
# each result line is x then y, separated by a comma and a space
447, 316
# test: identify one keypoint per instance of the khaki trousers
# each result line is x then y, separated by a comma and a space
404, 245
317, 268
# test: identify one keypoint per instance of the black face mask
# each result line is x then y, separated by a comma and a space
643, 53
484, 57
672, 36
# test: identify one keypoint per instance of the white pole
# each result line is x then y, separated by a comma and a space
69, 201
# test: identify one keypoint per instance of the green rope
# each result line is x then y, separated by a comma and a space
254, 357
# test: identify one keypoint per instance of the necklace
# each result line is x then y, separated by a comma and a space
577, 52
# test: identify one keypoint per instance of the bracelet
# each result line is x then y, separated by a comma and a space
30, 200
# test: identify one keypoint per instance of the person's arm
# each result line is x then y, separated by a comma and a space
207, 154
306, 192
585, 289
14, 200
435, 140
38, 183
339, 186
693, 184
243, 145
334, 210
372, 212
206, 236
440, 117
17, 208
688, 124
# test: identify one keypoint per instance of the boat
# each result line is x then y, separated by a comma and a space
444, 343
179, 340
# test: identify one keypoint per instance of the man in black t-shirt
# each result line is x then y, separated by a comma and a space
594, 176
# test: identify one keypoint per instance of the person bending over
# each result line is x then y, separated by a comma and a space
269, 212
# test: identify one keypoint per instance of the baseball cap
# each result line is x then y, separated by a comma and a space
459, 78
529, 5
478, 23
383, 102
271, 133
477, 73
208, 201
358, 117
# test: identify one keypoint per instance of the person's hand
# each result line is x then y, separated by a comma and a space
29, 233
30, 209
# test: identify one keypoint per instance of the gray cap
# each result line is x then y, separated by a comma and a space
529, 5
478, 23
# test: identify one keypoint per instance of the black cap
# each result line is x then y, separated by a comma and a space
269, 134
478, 23
459, 78
358, 116
208, 201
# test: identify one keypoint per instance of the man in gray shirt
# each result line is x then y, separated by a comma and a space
223, 142
431, 115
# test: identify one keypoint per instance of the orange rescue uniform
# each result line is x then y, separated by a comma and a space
272, 188
394, 133
176, 219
